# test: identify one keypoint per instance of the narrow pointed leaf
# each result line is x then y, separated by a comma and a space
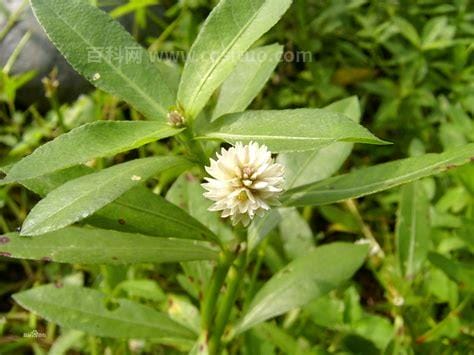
141, 211
413, 229
290, 130
459, 272
306, 278
377, 178
261, 228
114, 62
138, 210
86, 309
44, 184
295, 233
247, 79
302, 168
187, 193
80, 198
75, 245
94, 140
229, 31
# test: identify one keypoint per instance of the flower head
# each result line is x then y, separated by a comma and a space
244, 182
176, 119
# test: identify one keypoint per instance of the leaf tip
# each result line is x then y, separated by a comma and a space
6, 181
384, 142
29, 229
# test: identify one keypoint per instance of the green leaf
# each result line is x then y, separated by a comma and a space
231, 28
307, 167
138, 210
100, 49
295, 233
282, 339
131, 7
44, 184
437, 31
248, 78
187, 193
145, 289
407, 30
377, 178
80, 198
68, 339
413, 229
94, 140
171, 72
379, 330
261, 227
184, 312
289, 130
466, 233
306, 278
100, 246
456, 271
142, 211
86, 309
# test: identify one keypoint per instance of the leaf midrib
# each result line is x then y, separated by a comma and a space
270, 137
82, 197
276, 294
149, 99
223, 55
375, 184
163, 216
171, 248
146, 324
148, 138
411, 248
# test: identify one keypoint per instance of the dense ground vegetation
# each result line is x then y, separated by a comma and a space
411, 64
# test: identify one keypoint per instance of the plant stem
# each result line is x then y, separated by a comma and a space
51, 332
3, 225
212, 293
194, 147
14, 56
93, 346
157, 44
57, 109
253, 279
366, 231
15, 209
234, 279
13, 19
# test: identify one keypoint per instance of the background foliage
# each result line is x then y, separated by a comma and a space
411, 65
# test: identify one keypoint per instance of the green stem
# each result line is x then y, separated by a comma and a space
57, 109
366, 231
93, 346
253, 280
194, 147
234, 279
13, 19
17, 51
51, 332
212, 293
157, 44
4, 225
15, 209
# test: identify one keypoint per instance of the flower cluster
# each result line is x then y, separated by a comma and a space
245, 181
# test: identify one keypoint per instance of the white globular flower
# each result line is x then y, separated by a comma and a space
245, 181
